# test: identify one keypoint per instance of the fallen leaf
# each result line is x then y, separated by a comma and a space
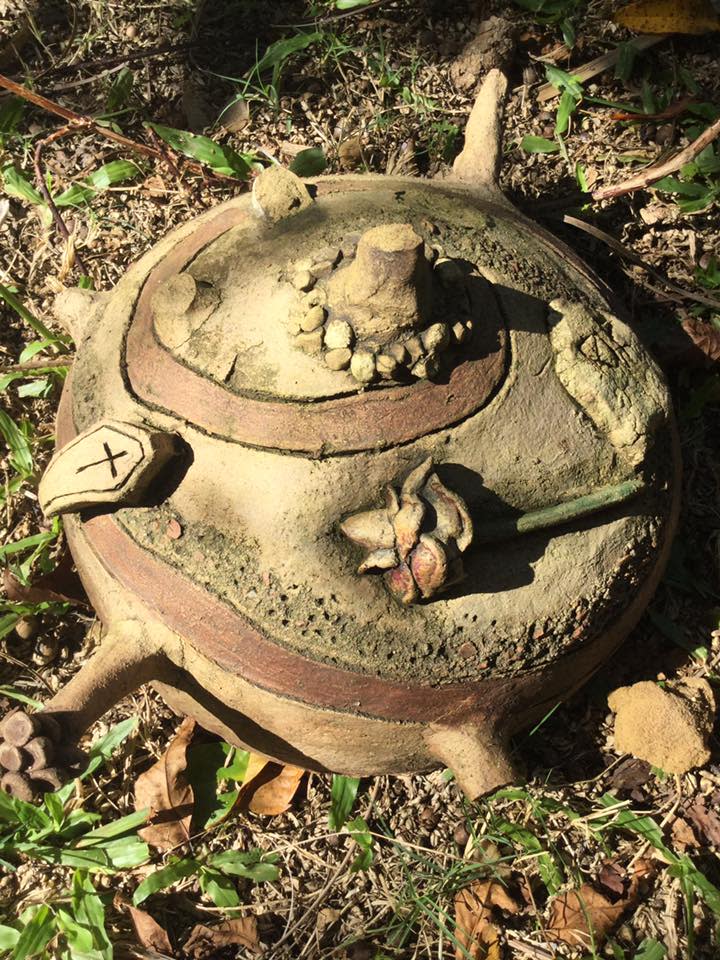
206, 941
705, 821
268, 787
574, 914
669, 16
705, 336
614, 881
149, 932
630, 775
236, 115
683, 835
164, 789
476, 909
350, 152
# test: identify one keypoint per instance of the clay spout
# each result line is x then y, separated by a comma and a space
477, 754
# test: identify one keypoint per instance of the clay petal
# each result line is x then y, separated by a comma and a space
453, 518
370, 529
383, 559
392, 502
401, 585
406, 524
429, 565
415, 479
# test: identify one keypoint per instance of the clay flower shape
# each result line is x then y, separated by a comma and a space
417, 539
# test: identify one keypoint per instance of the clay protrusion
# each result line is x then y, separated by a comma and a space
18, 727
479, 162
278, 194
478, 756
668, 726
78, 310
181, 305
387, 289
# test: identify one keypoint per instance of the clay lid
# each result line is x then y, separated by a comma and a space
320, 303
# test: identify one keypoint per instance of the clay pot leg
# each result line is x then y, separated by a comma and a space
477, 755
35, 747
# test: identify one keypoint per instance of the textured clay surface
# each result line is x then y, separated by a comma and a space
667, 726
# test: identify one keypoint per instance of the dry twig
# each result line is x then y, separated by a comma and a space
36, 365
651, 174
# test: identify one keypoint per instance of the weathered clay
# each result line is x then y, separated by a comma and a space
291, 474
669, 726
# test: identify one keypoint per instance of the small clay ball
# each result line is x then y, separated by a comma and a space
386, 366
435, 338
131, 31
313, 319
338, 359
362, 367
338, 334
310, 342
459, 332
303, 280
398, 352
27, 627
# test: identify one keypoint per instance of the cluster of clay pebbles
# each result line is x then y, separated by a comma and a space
418, 355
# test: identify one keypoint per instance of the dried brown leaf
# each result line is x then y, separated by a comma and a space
165, 790
268, 787
236, 116
204, 942
669, 16
476, 909
705, 336
62, 585
683, 835
705, 821
149, 932
586, 916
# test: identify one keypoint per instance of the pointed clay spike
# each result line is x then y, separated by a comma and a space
12, 758
417, 477
48, 778
17, 786
77, 310
479, 162
18, 728
41, 752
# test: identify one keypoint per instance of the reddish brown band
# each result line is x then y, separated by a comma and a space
226, 637
368, 421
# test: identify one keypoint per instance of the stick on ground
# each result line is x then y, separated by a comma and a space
651, 174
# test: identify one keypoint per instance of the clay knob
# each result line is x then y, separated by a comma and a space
387, 288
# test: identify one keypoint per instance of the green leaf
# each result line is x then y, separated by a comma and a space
683, 187
533, 144
11, 113
342, 797
18, 445
360, 832
627, 55
36, 934
568, 106
252, 865
563, 81
219, 888
117, 171
165, 877
115, 828
278, 52
17, 185
9, 936
221, 159
309, 163
581, 177
40, 329
120, 89
351, 4
650, 950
